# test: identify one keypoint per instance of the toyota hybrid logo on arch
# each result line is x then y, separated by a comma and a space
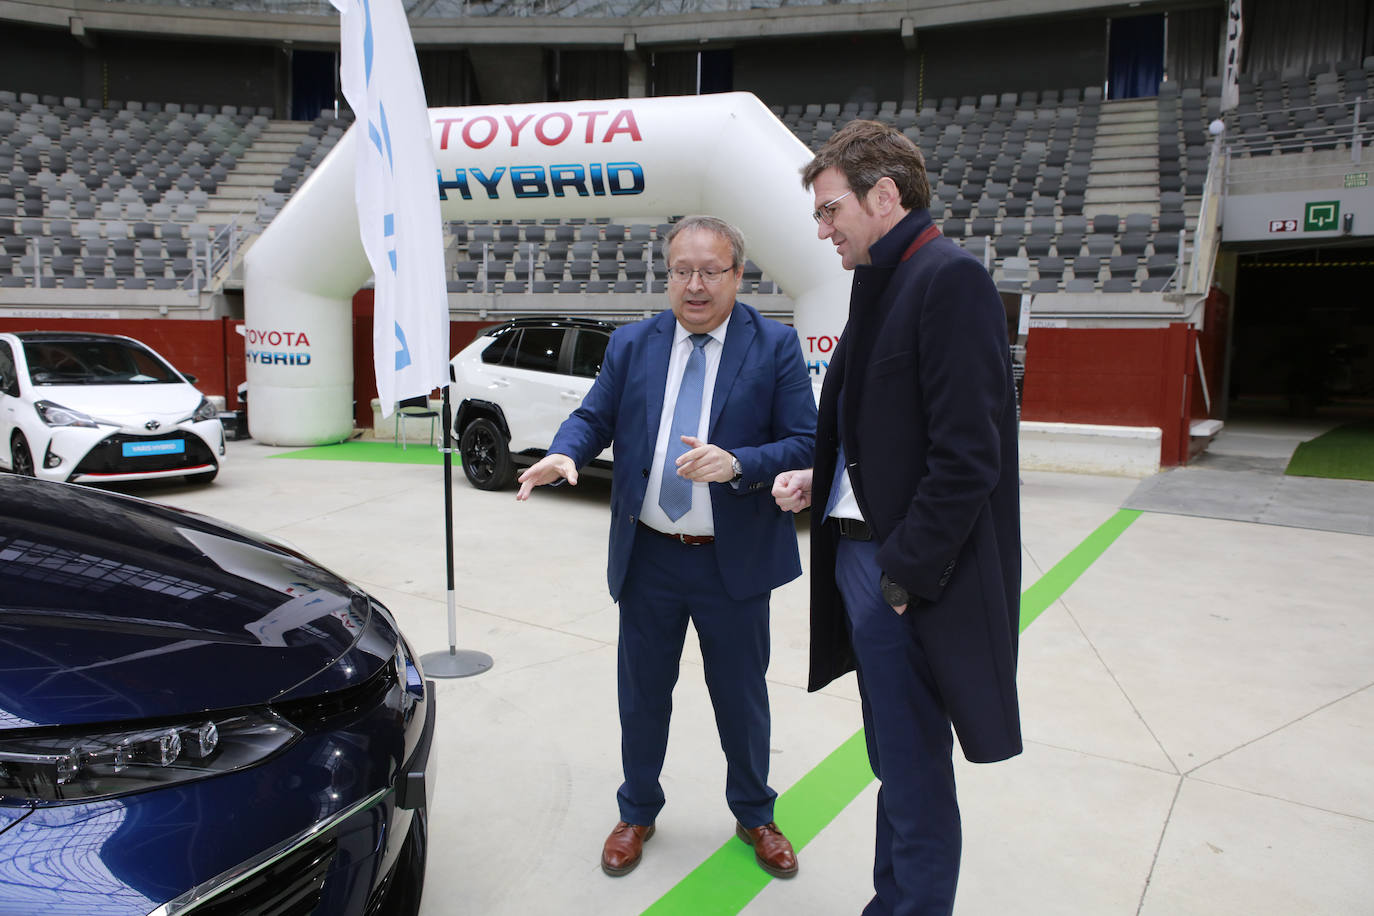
152, 426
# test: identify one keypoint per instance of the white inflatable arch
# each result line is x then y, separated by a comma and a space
726, 155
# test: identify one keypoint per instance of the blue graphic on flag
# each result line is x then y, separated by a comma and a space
398, 204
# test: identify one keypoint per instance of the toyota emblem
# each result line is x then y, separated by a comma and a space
151, 425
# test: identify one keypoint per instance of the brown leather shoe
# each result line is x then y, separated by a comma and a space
624, 848
771, 849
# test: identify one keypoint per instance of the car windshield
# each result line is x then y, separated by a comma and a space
95, 362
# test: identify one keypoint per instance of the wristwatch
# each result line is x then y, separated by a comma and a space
737, 468
893, 594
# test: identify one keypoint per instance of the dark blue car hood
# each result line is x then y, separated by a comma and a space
114, 608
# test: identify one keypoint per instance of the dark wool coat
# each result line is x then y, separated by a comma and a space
922, 377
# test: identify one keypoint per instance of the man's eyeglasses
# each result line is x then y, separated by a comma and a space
825, 213
709, 275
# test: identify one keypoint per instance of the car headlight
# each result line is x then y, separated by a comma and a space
57, 415
205, 410
408, 670
95, 763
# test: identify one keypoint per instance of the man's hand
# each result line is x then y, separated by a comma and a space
546, 470
792, 490
705, 463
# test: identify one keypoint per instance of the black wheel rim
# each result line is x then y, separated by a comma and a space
23, 461
479, 458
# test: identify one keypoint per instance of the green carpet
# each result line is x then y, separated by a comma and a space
1345, 453
385, 452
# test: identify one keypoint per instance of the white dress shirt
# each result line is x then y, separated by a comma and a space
698, 519
845, 503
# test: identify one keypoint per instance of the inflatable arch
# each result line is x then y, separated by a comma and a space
725, 155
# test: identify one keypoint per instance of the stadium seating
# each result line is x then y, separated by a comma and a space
121, 194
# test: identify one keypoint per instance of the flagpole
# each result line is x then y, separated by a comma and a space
454, 662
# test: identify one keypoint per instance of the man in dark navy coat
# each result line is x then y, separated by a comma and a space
695, 534
915, 539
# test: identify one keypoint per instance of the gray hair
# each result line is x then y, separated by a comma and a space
717, 227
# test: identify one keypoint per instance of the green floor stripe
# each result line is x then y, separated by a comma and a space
382, 452
1065, 573
729, 879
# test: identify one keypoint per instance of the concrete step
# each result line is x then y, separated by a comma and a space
1119, 194
1144, 122
1121, 208
257, 168
1117, 144
1127, 164
1120, 106
265, 148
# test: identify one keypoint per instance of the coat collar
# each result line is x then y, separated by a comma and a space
888, 250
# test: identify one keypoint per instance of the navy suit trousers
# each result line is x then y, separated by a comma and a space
669, 583
910, 743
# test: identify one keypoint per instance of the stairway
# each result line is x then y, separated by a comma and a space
257, 169
1125, 165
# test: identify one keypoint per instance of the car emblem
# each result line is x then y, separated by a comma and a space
152, 425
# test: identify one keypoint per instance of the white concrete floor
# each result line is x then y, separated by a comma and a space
1198, 707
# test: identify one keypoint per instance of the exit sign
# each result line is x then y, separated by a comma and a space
1321, 216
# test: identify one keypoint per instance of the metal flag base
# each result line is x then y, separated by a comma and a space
455, 663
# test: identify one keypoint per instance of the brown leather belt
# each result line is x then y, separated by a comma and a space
856, 529
691, 540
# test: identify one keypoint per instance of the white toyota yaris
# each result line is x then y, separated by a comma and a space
93, 408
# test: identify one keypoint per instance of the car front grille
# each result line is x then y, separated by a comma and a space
290, 886
108, 457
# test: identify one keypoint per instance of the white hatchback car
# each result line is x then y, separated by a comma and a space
96, 408
514, 385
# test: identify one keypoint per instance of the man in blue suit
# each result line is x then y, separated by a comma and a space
915, 538
705, 404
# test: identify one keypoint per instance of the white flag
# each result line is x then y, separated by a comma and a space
1230, 77
398, 199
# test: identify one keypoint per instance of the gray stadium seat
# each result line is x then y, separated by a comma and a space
1101, 244
1161, 265
1134, 243
1124, 266
1088, 267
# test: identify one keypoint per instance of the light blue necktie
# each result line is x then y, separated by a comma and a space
674, 492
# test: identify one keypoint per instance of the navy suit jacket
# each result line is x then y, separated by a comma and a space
922, 379
762, 410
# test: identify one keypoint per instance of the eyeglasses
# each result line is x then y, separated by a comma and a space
825, 213
709, 275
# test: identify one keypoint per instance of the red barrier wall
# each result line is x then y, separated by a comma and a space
1212, 345
1114, 376
460, 334
1122, 377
